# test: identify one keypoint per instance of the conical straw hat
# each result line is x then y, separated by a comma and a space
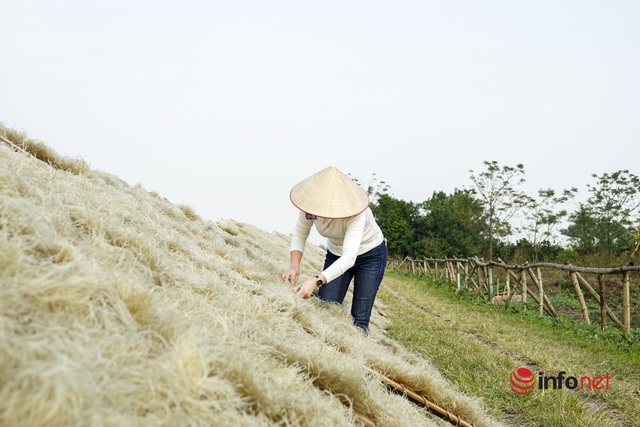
329, 194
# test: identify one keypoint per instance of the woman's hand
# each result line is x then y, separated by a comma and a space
291, 275
306, 288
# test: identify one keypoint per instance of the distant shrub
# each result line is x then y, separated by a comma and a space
569, 255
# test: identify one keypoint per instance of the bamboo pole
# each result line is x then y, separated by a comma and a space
490, 281
421, 400
448, 270
485, 279
603, 303
515, 287
447, 274
524, 288
626, 303
465, 283
507, 284
583, 304
452, 274
485, 276
595, 295
466, 270
541, 296
547, 308
541, 303
544, 296
476, 286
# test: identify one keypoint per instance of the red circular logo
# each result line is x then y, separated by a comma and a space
522, 381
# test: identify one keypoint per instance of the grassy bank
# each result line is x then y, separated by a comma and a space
477, 347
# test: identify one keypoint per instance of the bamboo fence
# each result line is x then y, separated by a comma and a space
473, 273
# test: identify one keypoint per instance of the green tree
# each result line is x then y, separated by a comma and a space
396, 219
613, 200
450, 225
605, 222
581, 231
496, 191
542, 216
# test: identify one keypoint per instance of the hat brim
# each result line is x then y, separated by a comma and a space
329, 194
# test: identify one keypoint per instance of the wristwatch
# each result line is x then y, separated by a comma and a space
319, 282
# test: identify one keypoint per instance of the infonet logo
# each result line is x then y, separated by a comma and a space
523, 381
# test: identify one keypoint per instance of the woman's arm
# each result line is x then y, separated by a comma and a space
292, 274
298, 243
350, 247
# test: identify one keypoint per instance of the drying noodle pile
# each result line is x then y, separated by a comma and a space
118, 307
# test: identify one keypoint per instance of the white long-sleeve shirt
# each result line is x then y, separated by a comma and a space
346, 238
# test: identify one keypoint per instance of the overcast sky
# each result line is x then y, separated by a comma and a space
225, 105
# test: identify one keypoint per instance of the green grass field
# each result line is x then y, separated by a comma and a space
477, 346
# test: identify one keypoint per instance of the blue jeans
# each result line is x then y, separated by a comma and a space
367, 273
